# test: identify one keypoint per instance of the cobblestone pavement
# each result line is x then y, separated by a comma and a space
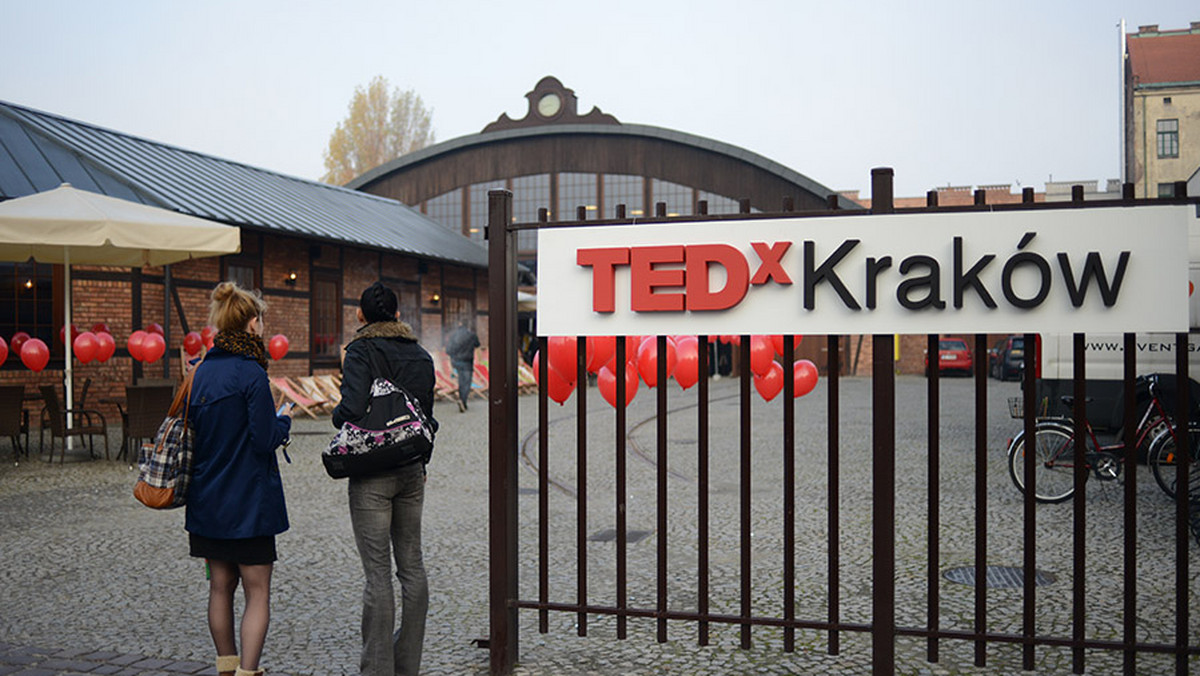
92, 582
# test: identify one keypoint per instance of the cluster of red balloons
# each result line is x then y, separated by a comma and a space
147, 345
33, 352
193, 342
682, 362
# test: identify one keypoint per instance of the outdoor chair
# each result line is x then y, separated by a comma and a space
309, 387
14, 419
289, 391
331, 386
143, 413
84, 423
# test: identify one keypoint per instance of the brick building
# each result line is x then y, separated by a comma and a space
310, 247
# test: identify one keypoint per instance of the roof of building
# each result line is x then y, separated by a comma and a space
1164, 57
39, 151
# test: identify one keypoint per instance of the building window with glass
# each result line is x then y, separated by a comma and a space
1166, 189
1168, 138
446, 209
478, 219
27, 302
530, 193
678, 197
326, 309
623, 189
719, 204
577, 190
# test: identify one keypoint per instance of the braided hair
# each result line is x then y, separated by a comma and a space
378, 303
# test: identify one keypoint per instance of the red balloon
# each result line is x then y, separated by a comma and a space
136, 345
607, 382
85, 347
648, 359
3, 351
777, 343
62, 334
600, 351
35, 354
804, 377
770, 383
558, 387
207, 334
687, 364
277, 346
18, 340
192, 343
762, 355
155, 328
100, 327
153, 347
105, 346
563, 356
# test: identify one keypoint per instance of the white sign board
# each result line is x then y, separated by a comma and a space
1049, 271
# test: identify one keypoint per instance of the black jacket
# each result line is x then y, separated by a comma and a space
408, 365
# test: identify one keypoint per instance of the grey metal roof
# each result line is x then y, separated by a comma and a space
39, 151
638, 130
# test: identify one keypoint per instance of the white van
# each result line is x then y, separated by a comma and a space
1105, 356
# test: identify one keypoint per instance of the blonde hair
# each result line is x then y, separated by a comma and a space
233, 307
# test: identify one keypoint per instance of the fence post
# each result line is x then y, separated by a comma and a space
502, 434
883, 463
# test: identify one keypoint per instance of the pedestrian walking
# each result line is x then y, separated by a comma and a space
235, 505
385, 508
460, 345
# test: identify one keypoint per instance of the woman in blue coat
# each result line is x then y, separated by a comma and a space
235, 502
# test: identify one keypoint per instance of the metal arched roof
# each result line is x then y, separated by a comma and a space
614, 130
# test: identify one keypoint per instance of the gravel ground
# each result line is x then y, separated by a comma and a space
95, 583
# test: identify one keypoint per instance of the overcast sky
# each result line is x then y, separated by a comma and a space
960, 92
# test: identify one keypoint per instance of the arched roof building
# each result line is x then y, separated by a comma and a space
556, 159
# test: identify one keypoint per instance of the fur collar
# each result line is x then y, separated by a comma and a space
396, 329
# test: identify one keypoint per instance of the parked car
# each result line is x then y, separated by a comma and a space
953, 355
1009, 361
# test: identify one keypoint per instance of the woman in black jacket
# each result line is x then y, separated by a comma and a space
385, 508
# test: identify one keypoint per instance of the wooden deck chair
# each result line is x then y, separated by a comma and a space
526, 380
287, 391
446, 382
310, 388
479, 384
329, 385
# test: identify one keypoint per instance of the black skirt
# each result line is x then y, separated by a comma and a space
245, 551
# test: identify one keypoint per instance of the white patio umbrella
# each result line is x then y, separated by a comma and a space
70, 226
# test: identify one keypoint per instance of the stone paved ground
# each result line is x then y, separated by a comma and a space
92, 582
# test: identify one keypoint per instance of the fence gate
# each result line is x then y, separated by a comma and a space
1077, 597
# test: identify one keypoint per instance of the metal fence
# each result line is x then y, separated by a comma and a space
883, 627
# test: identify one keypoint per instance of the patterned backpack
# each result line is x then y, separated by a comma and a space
165, 464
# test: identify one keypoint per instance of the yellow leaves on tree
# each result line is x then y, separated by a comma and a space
380, 126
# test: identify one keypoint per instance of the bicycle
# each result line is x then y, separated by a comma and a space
1164, 455
1054, 452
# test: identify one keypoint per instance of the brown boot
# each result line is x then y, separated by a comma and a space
227, 665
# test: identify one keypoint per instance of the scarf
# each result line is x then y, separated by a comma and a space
243, 343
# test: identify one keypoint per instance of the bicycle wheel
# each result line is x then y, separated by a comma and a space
1164, 455
1054, 455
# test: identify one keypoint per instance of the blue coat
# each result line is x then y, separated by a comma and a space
236, 491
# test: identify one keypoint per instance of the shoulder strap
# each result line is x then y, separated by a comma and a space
184, 396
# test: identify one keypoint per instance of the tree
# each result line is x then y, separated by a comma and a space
380, 125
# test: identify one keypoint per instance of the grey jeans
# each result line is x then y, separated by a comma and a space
385, 511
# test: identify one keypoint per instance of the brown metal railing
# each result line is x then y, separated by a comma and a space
883, 628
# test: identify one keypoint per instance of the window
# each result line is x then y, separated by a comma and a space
479, 209
408, 296
457, 307
1166, 189
245, 274
530, 193
574, 191
326, 316
1168, 138
623, 189
27, 303
678, 197
719, 204
446, 209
